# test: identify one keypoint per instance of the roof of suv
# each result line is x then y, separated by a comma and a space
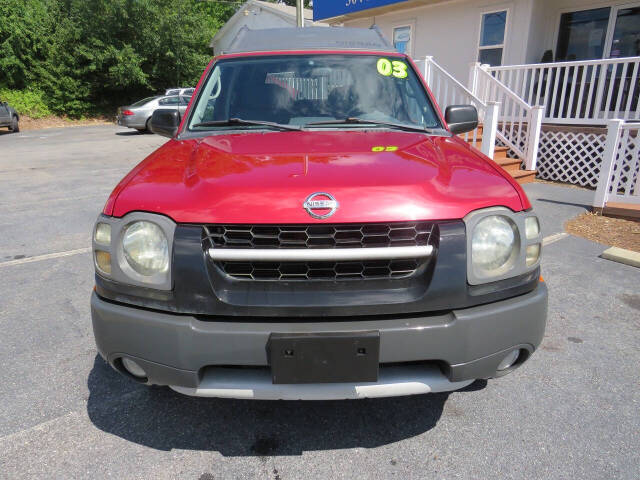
309, 38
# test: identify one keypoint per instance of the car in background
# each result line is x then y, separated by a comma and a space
138, 115
184, 91
9, 117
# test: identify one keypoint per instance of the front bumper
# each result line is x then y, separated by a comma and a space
199, 356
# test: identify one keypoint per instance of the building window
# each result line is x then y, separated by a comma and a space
626, 33
402, 39
493, 29
582, 35
609, 32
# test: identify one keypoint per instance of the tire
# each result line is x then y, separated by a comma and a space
14, 127
148, 125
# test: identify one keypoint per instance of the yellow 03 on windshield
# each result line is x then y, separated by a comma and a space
396, 68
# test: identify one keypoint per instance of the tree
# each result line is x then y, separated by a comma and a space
88, 57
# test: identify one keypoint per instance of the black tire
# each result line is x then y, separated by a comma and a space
148, 125
15, 127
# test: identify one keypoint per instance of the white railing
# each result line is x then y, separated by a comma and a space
619, 179
518, 123
582, 92
449, 91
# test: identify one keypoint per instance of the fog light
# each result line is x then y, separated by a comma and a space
103, 261
533, 254
133, 368
509, 360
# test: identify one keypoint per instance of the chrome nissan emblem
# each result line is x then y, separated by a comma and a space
320, 205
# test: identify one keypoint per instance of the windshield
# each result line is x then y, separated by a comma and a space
142, 102
307, 89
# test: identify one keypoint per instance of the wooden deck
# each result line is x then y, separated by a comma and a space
622, 210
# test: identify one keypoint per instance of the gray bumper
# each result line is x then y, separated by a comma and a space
132, 121
185, 352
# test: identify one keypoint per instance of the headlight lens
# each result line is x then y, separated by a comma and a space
533, 254
532, 227
103, 234
146, 248
493, 245
103, 261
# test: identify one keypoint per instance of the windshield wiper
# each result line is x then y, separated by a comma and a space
362, 121
240, 121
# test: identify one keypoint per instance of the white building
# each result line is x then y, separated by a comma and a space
256, 15
556, 82
498, 32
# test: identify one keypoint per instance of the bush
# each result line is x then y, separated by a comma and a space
88, 57
26, 102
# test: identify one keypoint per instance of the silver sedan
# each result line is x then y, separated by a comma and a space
138, 115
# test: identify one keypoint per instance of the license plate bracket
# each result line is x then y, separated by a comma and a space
324, 357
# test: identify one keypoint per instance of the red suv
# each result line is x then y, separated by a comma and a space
315, 229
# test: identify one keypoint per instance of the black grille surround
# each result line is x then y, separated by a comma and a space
324, 236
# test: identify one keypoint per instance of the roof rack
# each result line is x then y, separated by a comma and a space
309, 38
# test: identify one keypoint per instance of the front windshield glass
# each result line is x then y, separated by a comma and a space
306, 89
142, 102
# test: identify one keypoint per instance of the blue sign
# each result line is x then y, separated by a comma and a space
333, 8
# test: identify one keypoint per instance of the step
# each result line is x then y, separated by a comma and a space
508, 164
624, 210
523, 176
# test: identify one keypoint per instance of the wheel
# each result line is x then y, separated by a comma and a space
14, 127
148, 125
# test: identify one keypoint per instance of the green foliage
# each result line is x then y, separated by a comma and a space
26, 102
87, 57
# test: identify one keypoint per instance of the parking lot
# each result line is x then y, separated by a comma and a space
572, 411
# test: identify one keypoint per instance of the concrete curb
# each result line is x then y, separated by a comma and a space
621, 255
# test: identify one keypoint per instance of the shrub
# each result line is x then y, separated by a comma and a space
26, 102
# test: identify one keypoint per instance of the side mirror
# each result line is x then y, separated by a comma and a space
461, 118
165, 122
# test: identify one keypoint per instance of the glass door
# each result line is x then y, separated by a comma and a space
625, 31
624, 41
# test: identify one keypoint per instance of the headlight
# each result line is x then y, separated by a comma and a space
493, 245
103, 234
532, 227
146, 248
135, 249
501, 244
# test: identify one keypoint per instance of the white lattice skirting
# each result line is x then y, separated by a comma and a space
625, 177
571, 156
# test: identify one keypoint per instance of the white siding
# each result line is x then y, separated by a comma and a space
450, 31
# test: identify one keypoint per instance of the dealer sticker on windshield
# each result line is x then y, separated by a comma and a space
396, 68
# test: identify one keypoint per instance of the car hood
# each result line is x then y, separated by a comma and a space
265, 177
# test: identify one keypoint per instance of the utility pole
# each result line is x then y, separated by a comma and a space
299, 16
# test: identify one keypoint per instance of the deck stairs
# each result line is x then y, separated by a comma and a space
511, 165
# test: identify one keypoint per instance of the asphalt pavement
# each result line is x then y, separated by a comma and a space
572, 411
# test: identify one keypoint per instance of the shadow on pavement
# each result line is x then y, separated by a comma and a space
159, 418
558, 202
132, 133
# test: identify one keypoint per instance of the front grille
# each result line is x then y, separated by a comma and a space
319, 270
319, 236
